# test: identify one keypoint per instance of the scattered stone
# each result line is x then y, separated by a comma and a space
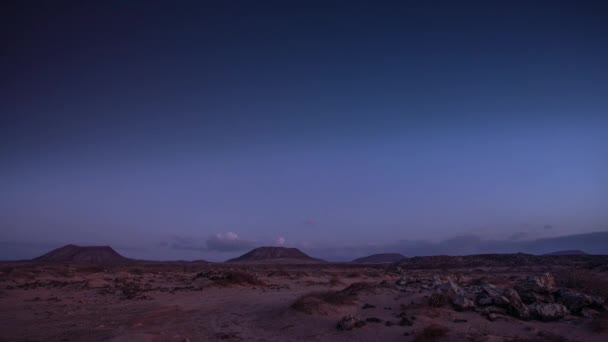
373, 320
402, 281
368, 306
349, 323
548, 311
460, 320
462, 303
406, 322
589, 313
450, 289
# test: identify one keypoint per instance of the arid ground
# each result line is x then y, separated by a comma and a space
479, 298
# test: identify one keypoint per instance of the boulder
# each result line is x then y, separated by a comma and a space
516, 307
529, 296
462, 303
576, 301
450, 289
349, 323
548, 311
402, 281
544, 283
491, 295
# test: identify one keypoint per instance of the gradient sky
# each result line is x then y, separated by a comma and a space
200, 129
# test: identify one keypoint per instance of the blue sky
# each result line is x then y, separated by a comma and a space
152, 125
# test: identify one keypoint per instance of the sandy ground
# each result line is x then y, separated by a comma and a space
192, 302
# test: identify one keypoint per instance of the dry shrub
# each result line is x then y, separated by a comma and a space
279, 273
437, 300
550, 337
335, 281
236, 278
314, 302
432, 333
583, 280
600, 323
90, 269
355, 288
353, 275
479, 281
136, 271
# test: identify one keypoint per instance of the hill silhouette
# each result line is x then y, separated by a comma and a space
83, 254
380, 258
568, 252
275, 255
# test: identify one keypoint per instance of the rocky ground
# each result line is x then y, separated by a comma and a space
452, 299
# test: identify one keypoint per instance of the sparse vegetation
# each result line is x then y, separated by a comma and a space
314, 302
231, 278
432, 332
583, 280
335, 281
437, 300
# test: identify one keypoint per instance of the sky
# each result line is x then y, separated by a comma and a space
201, 129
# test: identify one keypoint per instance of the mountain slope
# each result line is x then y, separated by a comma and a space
83, 254
380, 258
275, 255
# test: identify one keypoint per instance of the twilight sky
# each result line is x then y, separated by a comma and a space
198, 130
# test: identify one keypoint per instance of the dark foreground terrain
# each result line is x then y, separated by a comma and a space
477, 298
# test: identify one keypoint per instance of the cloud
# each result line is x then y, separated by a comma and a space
311, 221
229, 242
280, 241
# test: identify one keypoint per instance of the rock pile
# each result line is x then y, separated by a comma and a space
538, 298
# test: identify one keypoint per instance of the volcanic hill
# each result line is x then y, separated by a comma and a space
83, 254
282, 255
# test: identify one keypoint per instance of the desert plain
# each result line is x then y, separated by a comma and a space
510, 297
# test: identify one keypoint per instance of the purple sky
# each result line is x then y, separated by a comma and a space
199, 130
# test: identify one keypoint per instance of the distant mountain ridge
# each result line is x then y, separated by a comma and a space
568, 252
275, 254
380, 258
83, 254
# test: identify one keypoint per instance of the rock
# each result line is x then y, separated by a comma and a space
450, 289
491, 295
544, 283
529, 296
589, 313
349, 323
373, 320
402, 281
484, 301
491, 290
516, 307
368, 306
406, 322
389, 323
548, 311
492, 317
576, 301
462, 303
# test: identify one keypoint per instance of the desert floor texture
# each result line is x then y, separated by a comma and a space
483, 298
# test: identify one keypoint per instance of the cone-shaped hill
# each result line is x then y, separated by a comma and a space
281, 255
83, 254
